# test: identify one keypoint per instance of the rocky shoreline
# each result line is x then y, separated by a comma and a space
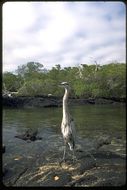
32, 160
100, 161
45, 101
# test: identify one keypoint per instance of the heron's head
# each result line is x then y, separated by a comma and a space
64, 84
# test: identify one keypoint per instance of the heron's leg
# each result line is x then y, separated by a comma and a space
64, 154
74, 155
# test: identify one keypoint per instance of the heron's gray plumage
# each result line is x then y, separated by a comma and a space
68, 131
67, 125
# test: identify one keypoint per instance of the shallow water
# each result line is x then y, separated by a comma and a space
90, 120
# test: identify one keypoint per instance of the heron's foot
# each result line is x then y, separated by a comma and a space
63, 160
74, 159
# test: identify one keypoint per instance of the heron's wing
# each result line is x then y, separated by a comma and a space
71, 135
73, 131
68, 129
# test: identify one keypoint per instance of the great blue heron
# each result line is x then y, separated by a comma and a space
67, 125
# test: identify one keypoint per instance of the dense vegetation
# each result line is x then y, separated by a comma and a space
32, 79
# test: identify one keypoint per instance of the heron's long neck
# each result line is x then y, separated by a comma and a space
65, 104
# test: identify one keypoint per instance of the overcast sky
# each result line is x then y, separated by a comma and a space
65, 33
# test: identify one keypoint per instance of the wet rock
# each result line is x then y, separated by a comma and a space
4, 171
32, 136
110, 178
39, 101
91, 100
56, 178
103, 101
86, 164
86, 180
15, 168
103, 140
46, 101
36, 163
